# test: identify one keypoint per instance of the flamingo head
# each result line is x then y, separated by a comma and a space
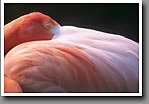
31, 27
37, 26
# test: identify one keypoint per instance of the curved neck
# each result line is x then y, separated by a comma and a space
10, 38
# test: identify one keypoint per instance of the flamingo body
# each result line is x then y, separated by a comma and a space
75, 60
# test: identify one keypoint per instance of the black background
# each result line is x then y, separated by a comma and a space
122, 19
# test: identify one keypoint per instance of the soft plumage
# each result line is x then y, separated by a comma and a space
75, 60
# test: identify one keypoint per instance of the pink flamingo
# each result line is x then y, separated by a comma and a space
42, 56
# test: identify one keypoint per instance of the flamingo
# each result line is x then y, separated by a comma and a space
42, 56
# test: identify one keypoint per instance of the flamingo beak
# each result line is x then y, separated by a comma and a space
55, 29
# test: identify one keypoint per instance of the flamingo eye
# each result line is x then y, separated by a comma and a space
48, 25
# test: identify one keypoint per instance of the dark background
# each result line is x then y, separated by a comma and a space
122, 19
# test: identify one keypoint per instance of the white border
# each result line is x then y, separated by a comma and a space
71, 94
72, 1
